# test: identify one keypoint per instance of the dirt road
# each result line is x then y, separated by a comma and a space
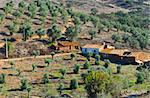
32, 57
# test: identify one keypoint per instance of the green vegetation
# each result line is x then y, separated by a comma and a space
76, 68
73, 84
2, 78
63, 72
46, 78
96, 78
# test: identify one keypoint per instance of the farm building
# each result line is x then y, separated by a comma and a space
124, 56
116, 55
141, 56
67, 46
92, 48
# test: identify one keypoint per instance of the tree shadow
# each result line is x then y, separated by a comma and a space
53, 77
70, 73
4, 68
17, 89
67, 88
43, 41
41, 66
67, 59
3, 34
27, 70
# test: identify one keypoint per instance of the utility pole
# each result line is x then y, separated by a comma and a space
6, 48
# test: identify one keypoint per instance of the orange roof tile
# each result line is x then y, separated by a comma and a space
115, 51
93, 46
142, 56
67, 43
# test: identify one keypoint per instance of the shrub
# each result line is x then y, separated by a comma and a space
88, 55
72, 56
107, 63
97, 57
34, 67
36, 53
60, 88
18, 72
2, 78
97, 62
140, 77
116, 37
52, 54
24, 84
63, 72
12, 65
76, 68
118, 68
73, 84
86, 65
96, 82
48, 61
46, 78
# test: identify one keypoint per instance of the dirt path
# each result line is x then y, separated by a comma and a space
32, 57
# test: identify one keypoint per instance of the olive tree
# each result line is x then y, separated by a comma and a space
32, 8
22, 6
76, 68
8, 7
72, 32
92, 33
2, 78
40, 32
73, 84
63, 72
13, 28
54, 33
96, 82
46, 78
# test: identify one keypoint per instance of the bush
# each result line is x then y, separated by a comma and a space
2, 78
73, 84
97, 57
48, 61
140, 77
88, 55
18, 72
63, 72
116, 37
97, 62
12, 65
72, 56
118, 68
86, 65
97, 82
46, 78
24, 84
60, 88
36, 53
76, 68
107, 63
34, 67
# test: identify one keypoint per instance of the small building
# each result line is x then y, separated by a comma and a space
141, 57
116, 55
67, 46
92, 48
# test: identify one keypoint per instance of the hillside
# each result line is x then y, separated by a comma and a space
74, 48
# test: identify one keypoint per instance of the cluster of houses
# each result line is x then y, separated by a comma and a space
119, 56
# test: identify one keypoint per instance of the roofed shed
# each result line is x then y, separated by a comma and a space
67, 46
